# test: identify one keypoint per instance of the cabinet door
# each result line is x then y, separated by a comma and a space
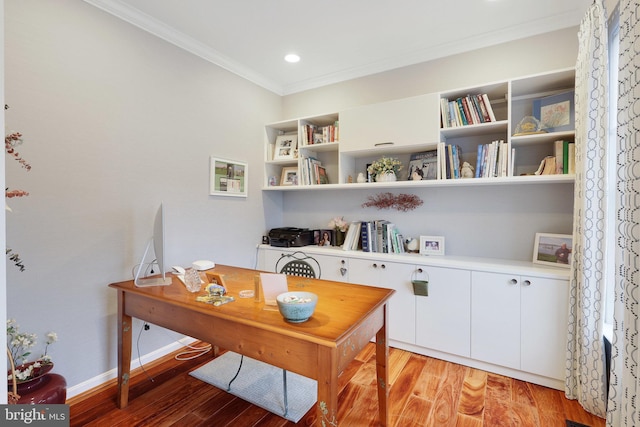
495, 318
544, 306
402, 306
443, 318
404, 121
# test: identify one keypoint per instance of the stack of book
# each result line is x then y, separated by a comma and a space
312, 134
467, 110
312, 172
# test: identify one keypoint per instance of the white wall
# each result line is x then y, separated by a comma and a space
115, 121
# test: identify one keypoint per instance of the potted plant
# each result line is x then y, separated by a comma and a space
385, 169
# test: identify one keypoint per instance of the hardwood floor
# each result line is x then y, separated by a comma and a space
424, 392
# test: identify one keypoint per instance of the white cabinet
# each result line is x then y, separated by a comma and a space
406, 121
402, 306
519, 322
443, 318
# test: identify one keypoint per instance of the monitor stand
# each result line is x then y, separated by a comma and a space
150, 281
153, 281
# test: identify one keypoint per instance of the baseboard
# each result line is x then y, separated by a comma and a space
99, 380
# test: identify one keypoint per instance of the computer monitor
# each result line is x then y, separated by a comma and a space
157, 239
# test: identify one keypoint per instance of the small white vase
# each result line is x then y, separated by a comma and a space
386, 177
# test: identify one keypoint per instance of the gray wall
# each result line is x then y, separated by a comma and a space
116, 121
487, 221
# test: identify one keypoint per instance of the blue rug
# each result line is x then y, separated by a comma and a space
261, 384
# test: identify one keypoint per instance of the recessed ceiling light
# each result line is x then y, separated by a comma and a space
292, 57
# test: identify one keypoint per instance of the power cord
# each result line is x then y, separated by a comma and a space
193, 352
144, 328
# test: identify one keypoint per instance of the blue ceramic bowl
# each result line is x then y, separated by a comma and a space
297, 307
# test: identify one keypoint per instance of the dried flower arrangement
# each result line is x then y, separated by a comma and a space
401, 202
11, 141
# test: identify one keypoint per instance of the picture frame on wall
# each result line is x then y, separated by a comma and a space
556, 113
289, 176
228, 177
431, 245
286, 147
553, 249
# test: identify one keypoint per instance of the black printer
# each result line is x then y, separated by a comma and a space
287, 237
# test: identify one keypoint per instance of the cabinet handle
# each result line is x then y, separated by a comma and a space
375, 265
342, 262
419, 270
526, 283
513, 282
380, 144
383, 266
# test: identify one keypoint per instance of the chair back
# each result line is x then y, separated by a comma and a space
298, 264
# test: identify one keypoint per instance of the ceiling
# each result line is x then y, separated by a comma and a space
338, 39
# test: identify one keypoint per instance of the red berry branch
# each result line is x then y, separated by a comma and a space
401, 202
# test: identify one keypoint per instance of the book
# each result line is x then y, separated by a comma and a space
365, 233
487, 105
423, 165
558, 147
571, 169
322, 177
351, 239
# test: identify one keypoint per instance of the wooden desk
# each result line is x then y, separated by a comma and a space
346, 318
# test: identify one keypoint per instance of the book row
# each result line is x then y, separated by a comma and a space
379, 236
467, 110
312, 172
312, 134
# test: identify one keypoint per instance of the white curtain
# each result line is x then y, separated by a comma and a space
586, 373
623, 408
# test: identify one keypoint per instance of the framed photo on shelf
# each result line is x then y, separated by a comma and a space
423, 166
556, 112
289, 176
286, 147
553, 249
431, 245
227, 178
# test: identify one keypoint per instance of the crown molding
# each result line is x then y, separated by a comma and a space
159, 29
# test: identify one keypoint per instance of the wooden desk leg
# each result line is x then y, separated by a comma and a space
382, 370
327, 409
124, 353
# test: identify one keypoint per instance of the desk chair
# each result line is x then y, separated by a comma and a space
298, 264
